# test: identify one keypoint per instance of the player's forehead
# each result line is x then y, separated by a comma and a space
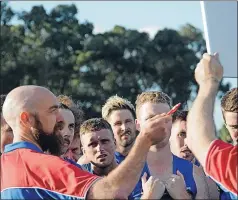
149, 108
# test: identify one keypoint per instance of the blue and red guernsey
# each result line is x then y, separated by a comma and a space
221, 166
28, 173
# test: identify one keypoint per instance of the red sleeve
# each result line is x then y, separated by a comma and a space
45, 175
221, 164
70, 180
61, 177
74, 181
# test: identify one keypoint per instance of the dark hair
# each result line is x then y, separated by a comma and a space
229, 101
2, 99
180, 115
94, 124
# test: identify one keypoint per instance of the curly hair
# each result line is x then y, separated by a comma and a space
229, 101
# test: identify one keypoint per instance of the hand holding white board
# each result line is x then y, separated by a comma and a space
220, 29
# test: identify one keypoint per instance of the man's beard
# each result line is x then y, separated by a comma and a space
127, 143
50, 143
101, 166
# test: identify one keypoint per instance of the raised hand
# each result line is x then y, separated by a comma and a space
155, 128
176, 187
153, 188
209, 69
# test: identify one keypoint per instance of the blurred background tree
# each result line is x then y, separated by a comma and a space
54, 49
224, 134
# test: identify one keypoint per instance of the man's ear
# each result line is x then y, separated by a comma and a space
83, 150
26, 119
137, 125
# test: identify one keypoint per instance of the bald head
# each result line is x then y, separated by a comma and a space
32, 112
30, 98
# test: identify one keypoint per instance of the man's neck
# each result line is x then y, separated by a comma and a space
124, 150
22, 138
160, 153
104, 171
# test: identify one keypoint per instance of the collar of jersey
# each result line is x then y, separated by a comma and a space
21, 145
119, 154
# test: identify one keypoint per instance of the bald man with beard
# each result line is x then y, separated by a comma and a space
32, 112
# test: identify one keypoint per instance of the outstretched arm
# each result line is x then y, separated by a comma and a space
122, 180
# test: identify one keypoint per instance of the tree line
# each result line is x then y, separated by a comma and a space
56, 50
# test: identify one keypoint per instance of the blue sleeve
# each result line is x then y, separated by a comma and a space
147, 170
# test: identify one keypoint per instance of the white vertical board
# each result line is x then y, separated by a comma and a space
220, 30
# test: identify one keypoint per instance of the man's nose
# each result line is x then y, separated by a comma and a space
185, 142
123, 126
100, 148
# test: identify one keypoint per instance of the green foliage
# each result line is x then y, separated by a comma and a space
54, 49
224, 134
